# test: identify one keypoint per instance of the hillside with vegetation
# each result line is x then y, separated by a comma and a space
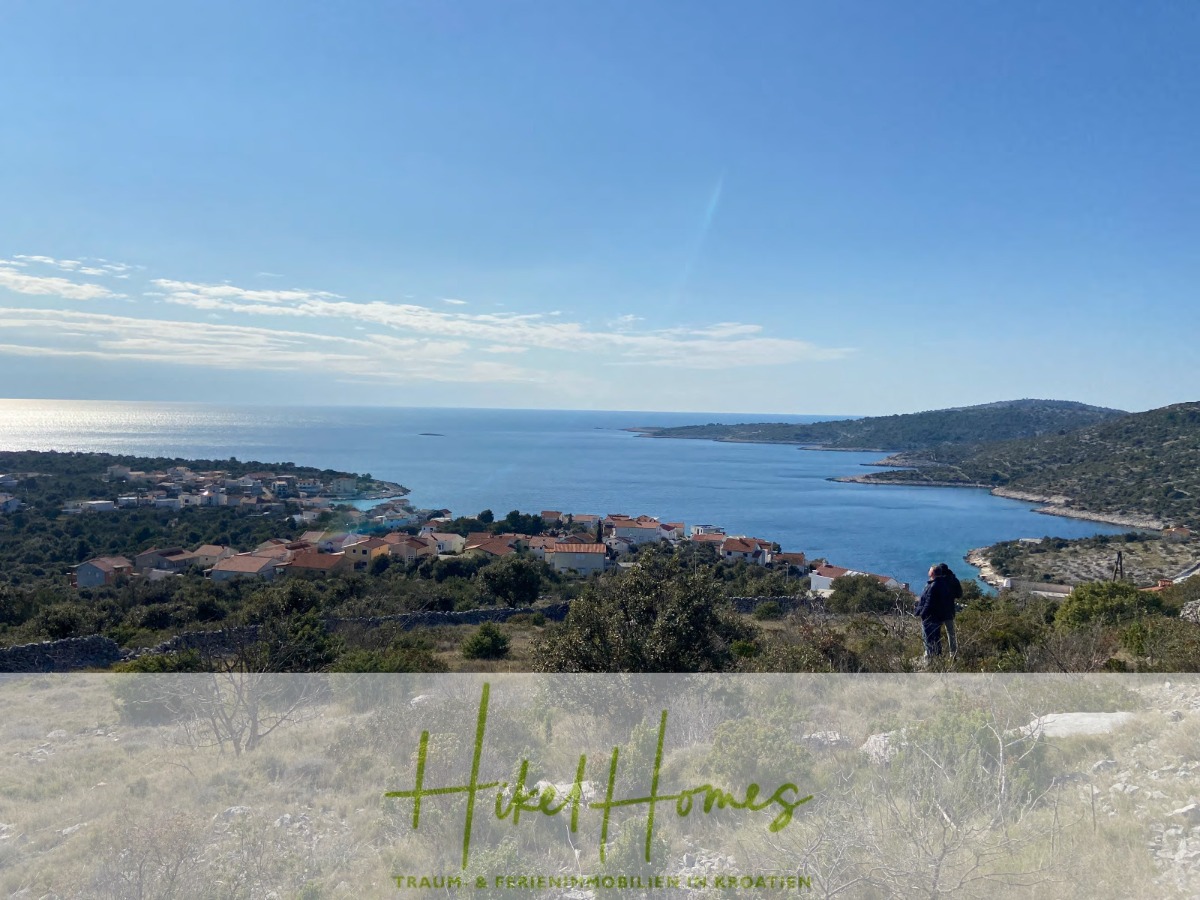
1005, 420
1145, 558
1144, 464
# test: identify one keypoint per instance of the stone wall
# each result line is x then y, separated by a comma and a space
94, 652
97, 652
748, 605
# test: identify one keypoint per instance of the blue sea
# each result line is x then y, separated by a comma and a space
582, 462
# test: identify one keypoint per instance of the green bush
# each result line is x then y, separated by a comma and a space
486, 643
861, 594
1105, 603
743, 649
1163, 644
768, 611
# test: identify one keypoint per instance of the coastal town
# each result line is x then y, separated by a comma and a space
575, 545
572, 545
341, 537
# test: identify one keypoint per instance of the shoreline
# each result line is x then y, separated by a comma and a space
653, 433
987, 574
1057, 505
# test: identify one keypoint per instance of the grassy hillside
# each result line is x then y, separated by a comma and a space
1145, 463
912, 431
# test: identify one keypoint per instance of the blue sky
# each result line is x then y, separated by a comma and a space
861, 207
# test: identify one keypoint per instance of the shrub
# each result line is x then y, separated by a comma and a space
1105, 603
860, 594
744, 648
486, 643
654, 617
1163, 645
768, 611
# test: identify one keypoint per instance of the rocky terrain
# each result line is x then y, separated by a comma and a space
1145, 559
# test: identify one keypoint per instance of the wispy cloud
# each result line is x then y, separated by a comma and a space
627, 321
87, 266
352, 340
22, 282
380, 359
723, 345
503, 348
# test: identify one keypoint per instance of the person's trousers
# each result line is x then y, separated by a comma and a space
933, 637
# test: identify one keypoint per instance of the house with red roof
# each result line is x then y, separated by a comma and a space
746, 549
577, 559
316, 564
101, 571
246, 565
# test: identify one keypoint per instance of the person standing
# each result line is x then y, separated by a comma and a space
937, 607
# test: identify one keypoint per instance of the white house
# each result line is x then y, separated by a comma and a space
9, 503
746, 549
309, 486
822, 578
393, 519
344, 486
448, 543
539, 544
580, 559
638, 531
619, 545
672, 531
208, 555
99, 505
339, 541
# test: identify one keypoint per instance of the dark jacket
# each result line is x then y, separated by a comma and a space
937, 600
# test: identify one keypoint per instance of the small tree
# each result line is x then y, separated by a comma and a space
1105, 603
489, 642
861, 594
653, 618
513, 580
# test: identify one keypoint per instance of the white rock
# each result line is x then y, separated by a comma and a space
880, 748
1071, 724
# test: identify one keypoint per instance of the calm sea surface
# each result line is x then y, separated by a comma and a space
469, 460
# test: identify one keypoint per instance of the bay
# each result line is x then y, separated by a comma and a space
575, 461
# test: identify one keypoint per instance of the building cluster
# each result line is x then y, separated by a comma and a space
578, 545
179, 487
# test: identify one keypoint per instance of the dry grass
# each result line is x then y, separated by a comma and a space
304, 814
1144, 561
